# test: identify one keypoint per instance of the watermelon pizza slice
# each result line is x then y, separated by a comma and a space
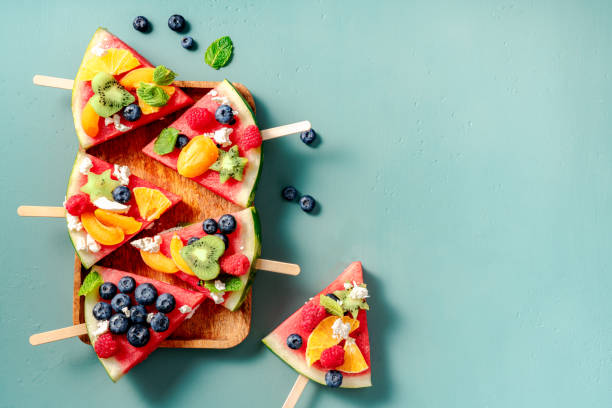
327, 339
216, 143
128, 315
106, 206
117, 90
216, 256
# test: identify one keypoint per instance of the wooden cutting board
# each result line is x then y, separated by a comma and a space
212, 326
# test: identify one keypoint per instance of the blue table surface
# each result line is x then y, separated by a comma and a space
465, 159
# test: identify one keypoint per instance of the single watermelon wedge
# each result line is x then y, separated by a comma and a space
90, 251
297, 358
100, 44
241, 192
127, 355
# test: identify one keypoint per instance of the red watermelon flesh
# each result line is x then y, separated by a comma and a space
127, 355
277, 340
77, 180
82, 92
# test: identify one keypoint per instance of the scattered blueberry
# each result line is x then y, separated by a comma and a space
192, 240
333, 378
138, 335
225, 115
126, 284
107, 290
145, 294
132, 112
289, 193
227, 224
141, 24
122, 194
165, 303
102, 311
187, 42
307, 203
118, 323
181, 141
308, 136
176, 23
332, 296
209, 226
294, 341
160, 322
224, 238
120, 301
138, 314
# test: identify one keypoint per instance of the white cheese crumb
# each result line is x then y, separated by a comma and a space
123, 174
214, 93
148, 244
236, 113
116, 121
190, 315
101, 328
98, 51
126, 312
85, 165
219, 285
358, 292
92, 245
185, 309
347, 285
221, 136
221, 100
150, 317
74, 223
340, 330
106, 204
80, 244
217, 297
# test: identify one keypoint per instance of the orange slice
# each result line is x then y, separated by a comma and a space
175, 246
159, 262
129, 225
114, 61
101, 233
147, 109
322, 337
89, 120
353, 359
151, 202
197, 156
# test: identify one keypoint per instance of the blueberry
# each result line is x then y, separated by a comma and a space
160, 322
225, 115
209, 226
187, 42
307, 203
122, 194
165, 303
132, 113
333, 378
102, 311
118, 323
138, 314
227, 224
294, 341
289, 193
332, 296
224, 238
107, 290
145, 294
126, 284
138, 335
176, 23
141, 24
192, 240
120, 301
181, 141
308, 136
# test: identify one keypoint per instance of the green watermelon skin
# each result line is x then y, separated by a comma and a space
129, 356
277, 340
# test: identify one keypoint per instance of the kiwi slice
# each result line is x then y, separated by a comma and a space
229, 164
203, 256
109, 96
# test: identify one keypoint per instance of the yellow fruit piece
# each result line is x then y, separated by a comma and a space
151, 202
132, 79
159, 262
129, 225
175, 246
101, 233
114, 61
322, 337
147, 109
89, 120
197, 156
353, 359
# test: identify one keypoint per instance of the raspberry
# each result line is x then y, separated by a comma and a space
237, 264
200, 119
332, 357
78, 204
250, 139
312, 314
106, 346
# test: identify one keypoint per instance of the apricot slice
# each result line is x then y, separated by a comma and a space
103, 234
89, 120
175, 246
132, 79
129, 225
197, 156
159, 262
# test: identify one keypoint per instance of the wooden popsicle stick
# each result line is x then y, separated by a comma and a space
58, 334
277, 267
53, 82
296, 391
40, 211
285, 130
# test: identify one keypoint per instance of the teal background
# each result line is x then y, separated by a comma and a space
465, 158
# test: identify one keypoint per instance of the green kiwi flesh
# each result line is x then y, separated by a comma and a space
229, 164
203, 256
109, 96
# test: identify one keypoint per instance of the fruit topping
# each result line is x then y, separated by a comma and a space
332, 296
197, 156
294, 341
181, 141
141, 24
132, 79
353, 359
122, 194
159, 262
78, 204
100, 185
200, 119
223, 238
118, 323
107, 290
332, 357
323, 336
145, 294
138, 314
151, 202
236, 264
176, 23
192, 240
308, 136
113, 61
202, 256
312, 314
229, 164
129, 225
224, 114
106, 346
176, 244
127, 284
250, 139
109, 96
102, 311
352, 298
138, 335
187, 42
210, 226
333, 378
165, 303
289, 193
120, 301
89, 120
227, 224
160, 322
307, 203
101, 233
132, 112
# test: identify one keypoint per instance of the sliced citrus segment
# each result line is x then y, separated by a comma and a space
159, 262
147, 109
103, 234
129, 225
322, 337
151, 202
89, 120
175, 246
197, 156
114, 61
132, 79
353, 359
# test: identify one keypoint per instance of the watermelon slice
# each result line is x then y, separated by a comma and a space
127, 356
101, 43
76, 227
297, 358
245, 239
241, 192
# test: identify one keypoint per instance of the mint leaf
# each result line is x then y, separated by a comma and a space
210, 285
152, 95
219, 52
163, 75
331, 306
166, 140
90, 283
233, 284
341, 294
